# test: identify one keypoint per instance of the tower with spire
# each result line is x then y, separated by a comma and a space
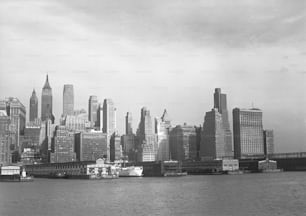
46, 101
33, 106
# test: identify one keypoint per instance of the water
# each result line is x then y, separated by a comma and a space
249, 194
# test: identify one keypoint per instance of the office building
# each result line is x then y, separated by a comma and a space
248, 133
268, 142
92, 109
182, 141
220, 103
213, 137
33, 106
68, 100
63, 146
162, 129
5, 138
17, 114
146, 139
90, 146
115, 148
46, 102
128, 123
109, 117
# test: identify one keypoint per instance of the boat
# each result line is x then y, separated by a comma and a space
131, 171
175, 174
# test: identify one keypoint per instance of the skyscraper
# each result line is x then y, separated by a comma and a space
162, 129
5, 138
146, 139
33, 106
46, 102
220, 103
68, 100
248, 133
128, 123
109, 117
213, 140
92, 109
268, 142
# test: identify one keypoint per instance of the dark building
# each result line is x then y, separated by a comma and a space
63, 146
92, 109
109, 117
68, 100
128, 143
115, 148
46, 102
33, 106
90, 146
128, 123
220, 103
268, 142
183, 143
248, 133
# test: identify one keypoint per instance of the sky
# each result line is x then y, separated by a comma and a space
162, 55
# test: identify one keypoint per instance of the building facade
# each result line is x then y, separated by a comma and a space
5, 138
146, 139
92, 109
248, 133
109, 117
90, 146
115, 148
68, 100
162, 129
33, 106
269, 142
63, 146
46, 102
128, 123
182, 140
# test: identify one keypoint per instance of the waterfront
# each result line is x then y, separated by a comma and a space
249, 194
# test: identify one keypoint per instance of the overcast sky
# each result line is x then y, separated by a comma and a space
162, 54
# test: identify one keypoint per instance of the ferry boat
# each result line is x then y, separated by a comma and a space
14, 174
131, 171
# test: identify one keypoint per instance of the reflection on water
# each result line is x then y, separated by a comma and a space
249, 194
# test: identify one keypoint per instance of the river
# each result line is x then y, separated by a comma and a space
248, 194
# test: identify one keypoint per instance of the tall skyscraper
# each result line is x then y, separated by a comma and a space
33, 106
162, 129
68, 100
5, 138
92, 109
128, 123
248, 133
109, 117
220, 103
146, 139
46, 102
213, 137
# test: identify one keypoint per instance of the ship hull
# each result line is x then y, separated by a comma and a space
133, 171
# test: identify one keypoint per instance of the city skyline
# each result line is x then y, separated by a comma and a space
175, 64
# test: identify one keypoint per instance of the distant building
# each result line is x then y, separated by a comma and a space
195, 153
92, 109
268, 142
74, 123
220, 103
162, 129
115, 148
63, 146
33, 106
46, 102
183, 139
17, 114
90, 146
128, 123
109, 117
128, 143
146, 139
5, 138
248, 133
68, 100
213, 137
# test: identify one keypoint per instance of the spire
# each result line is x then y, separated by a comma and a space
47, 85
165, 116
33, 92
